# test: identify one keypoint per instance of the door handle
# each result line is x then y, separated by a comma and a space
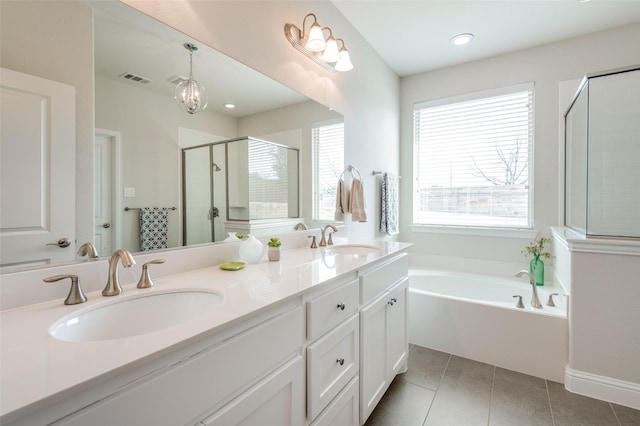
62, 243
106, 225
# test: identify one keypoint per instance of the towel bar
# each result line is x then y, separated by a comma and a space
126, 209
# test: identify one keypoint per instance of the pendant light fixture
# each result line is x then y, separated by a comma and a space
191, 95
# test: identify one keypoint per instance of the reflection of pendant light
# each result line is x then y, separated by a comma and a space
191, 95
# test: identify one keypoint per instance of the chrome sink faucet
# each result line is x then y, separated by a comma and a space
89, 250
323, 241
113, 287
535, 301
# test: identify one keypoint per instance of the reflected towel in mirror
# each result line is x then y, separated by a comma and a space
153, 228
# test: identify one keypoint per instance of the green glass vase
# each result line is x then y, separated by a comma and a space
536, 267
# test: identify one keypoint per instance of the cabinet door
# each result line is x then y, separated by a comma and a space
373, 355
398, 344
277, 400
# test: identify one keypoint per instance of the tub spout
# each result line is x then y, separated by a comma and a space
535, 301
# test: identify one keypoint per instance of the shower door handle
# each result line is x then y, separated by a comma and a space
213, 212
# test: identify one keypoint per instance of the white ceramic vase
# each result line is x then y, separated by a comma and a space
231, 236
251, 250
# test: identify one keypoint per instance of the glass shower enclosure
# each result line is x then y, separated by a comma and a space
602, 155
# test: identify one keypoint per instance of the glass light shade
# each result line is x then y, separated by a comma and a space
331, 53
315, 42
191, 96
344, 63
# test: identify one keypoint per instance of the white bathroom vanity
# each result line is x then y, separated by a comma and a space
315, 338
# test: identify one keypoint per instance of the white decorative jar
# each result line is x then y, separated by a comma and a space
251, 250
231, 236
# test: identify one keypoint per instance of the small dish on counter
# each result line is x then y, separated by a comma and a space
232, 266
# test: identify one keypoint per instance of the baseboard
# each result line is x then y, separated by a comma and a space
604, 388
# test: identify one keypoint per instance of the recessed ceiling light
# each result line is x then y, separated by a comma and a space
230, 106
461, 39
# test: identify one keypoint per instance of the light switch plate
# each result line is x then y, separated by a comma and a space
129, 192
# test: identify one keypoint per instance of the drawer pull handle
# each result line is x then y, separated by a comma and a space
341, 306
392, 301
340, 361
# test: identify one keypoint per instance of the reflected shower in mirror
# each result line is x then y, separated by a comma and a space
258, 181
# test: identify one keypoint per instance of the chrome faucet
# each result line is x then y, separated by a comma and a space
300, 226
113, 287
323, 241
89, 250
535, 302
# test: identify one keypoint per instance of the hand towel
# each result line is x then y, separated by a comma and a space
154, 226
357, 205
389, 208
342, 200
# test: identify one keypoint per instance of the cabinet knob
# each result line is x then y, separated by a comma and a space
392, 301
340, 361
341, 306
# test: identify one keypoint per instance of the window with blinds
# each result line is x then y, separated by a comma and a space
268, 181
328, 164
472, 160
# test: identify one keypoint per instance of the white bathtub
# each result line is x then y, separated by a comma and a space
476, 317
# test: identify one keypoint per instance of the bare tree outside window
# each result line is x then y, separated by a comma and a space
510, 167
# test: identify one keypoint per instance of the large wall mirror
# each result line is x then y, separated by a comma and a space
140, 130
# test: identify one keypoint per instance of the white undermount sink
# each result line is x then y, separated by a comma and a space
128, 317
352, 249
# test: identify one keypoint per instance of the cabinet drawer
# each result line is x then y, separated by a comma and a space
332, 362
329, 310
375, 281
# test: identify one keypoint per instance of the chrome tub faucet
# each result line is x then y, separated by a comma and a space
535, 301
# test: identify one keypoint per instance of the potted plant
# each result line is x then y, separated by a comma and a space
274, 249
536, 266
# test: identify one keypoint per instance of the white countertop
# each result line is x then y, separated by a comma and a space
36, 367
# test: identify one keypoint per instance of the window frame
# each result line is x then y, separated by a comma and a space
471, 228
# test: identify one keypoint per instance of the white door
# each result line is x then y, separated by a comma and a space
37, 156
104, 190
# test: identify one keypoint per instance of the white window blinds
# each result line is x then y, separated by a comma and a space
268, 181
472, 158
328, 164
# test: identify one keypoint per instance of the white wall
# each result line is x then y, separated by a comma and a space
253, 33
547, 66
34, 48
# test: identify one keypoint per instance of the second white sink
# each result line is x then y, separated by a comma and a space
134, 316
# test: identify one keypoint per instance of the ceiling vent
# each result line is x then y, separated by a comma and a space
136, 78
177, 79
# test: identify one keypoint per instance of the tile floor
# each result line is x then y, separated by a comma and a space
440, 389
